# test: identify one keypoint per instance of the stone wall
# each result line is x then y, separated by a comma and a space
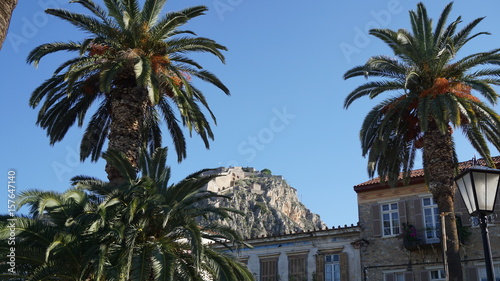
227, 177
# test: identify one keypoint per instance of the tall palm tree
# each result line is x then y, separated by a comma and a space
144, 229
6, 10
134, 65
435, 92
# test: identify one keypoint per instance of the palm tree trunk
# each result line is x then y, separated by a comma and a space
6, 9
128, 107
438, 158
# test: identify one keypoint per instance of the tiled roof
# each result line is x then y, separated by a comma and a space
416, 175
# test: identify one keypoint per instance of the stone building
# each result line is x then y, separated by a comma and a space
402, 230
318, 255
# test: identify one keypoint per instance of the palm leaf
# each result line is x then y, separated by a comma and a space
151, 11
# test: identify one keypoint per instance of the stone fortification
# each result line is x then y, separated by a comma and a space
270, 206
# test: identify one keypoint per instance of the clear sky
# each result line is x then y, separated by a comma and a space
284, 69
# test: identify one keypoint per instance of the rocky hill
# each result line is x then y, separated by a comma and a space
270, 205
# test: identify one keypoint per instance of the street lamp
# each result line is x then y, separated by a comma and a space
478, 186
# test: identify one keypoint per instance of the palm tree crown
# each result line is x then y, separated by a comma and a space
433, 90
134, 64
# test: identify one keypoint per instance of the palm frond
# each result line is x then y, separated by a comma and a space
174, 129
96, 134
95, 9
167, 26
116, 11
120, 161
372, 89
83, 22
439, 30
39, 52
151, 10
197, 44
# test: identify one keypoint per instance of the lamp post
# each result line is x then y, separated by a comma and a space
478, 186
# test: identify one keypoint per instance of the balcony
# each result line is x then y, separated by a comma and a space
415, 239
421, 244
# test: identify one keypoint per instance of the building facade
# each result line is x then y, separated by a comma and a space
403, 232
398, 238
318, 255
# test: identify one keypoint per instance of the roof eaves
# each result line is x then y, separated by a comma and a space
416, 176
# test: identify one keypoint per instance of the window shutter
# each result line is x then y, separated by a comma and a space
419, 221
472, 274
377, 226
402, 212
320, 267
274, 270
268, 269
424, 276
297, 267
344, 272
408, 276
389, 276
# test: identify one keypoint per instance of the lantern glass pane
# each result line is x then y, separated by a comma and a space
491, 190
480, 180
465, 187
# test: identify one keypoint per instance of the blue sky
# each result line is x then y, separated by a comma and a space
284, 68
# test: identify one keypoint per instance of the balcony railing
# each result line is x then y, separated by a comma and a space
414, 238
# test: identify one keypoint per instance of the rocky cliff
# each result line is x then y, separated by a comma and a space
270, 205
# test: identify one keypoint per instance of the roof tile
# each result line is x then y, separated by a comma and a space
420, 172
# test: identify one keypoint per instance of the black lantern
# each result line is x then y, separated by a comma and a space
478, 187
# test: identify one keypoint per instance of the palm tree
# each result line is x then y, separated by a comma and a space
435, 92
6, 9
162, 230
144, 229
55, 239
134, 65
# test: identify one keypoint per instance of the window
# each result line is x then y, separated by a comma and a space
390, 219
269, 269
483, 276
332, 265
297, 268
396, 276
332, 268
431, 220
399, 276
438, 275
